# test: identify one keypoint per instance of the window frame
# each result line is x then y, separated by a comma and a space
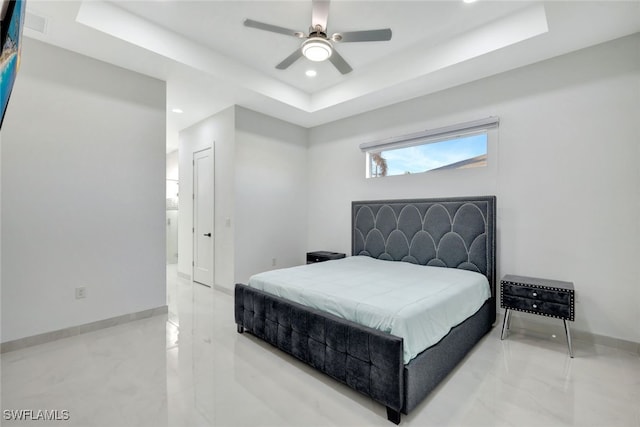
484, 126
371, 153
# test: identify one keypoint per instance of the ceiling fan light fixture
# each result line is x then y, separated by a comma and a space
316, 49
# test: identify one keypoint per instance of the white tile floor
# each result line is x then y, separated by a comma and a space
149, 373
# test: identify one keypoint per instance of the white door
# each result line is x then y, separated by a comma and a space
203, 217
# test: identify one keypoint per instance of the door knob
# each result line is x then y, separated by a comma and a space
207, 234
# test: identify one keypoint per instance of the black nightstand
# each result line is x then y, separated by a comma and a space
551, 298
320, 256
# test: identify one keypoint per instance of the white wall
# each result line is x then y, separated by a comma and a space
172, 189
270, 194
218, 129
83, 172
259, 191
567, 176
172, 165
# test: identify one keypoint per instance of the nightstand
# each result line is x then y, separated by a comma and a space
320, 256
551, 298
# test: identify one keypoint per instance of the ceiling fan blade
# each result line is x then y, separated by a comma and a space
297, 54
338, 61
319, 14
363, 36
273, 28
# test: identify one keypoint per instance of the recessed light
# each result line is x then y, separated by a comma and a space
311, 73
177, 111
469, 1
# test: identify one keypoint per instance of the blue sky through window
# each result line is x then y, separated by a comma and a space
423, 158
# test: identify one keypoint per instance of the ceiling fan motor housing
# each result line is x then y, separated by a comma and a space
317, 48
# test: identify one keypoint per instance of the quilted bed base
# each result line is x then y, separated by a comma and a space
365, 359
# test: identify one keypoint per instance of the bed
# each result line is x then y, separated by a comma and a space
450, 233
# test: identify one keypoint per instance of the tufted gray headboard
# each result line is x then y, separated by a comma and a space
455, 232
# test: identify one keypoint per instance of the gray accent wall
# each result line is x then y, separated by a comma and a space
83, 176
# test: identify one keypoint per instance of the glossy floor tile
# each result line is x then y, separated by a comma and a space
152, 373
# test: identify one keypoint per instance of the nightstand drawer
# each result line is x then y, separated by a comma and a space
555, 296
536, 306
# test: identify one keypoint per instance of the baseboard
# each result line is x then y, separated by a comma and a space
184, 275
80, 329
527, 324
223, 289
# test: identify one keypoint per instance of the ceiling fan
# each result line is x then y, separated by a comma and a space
317, 46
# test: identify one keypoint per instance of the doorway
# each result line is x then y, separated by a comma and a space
171, 230
172, 221
203, 208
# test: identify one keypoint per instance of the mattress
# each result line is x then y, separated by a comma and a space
417, 303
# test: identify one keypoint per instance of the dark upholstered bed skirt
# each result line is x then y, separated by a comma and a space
365, 359
423, 373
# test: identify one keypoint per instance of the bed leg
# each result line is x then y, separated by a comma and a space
393, 415
240, 329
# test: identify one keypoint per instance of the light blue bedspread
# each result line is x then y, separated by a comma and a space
418, 303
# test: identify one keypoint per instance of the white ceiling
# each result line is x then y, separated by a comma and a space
211, 61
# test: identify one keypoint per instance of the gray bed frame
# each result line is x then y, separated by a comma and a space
450, 232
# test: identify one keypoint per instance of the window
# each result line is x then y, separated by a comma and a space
455, 153
453, 147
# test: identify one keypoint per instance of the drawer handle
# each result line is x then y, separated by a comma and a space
535, 294
535, 306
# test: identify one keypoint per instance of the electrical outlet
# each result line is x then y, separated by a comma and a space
273, 262
81, 292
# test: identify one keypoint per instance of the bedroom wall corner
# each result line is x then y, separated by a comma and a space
217, 131
83, 172
567, 180
270, 192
